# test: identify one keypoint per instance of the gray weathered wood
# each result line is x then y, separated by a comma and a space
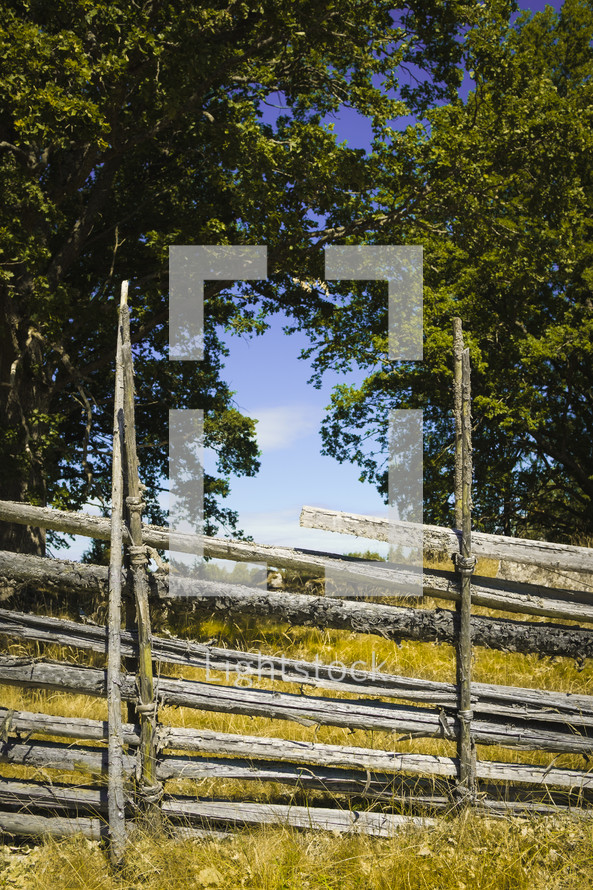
307, 561
26, 825
341, 821
54, 575
493, 593
309, 710
150, 787
337, 780
465, 566
486, 698
299, 752
556, 558
83, 760
397, 623
116, 800
457, 398
74, 801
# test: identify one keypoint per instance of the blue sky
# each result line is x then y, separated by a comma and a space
270, 384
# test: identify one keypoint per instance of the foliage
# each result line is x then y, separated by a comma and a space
132, 126
501, 187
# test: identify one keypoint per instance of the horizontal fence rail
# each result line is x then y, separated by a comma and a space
77, 801
409, 721
532, 599
257, 748
555, 558
391, 622
185, 808
501, 701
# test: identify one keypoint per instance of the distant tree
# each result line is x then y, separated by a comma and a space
127, 127
502, 187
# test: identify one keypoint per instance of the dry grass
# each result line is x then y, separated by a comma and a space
458, 854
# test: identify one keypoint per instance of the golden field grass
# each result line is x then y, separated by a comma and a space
463, 851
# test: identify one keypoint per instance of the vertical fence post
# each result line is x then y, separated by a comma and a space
115, 797
457, 386
151, 789
465, 566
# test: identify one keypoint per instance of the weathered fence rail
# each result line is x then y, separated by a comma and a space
502, 701
235, 600
503, 595
555, 558
529, 733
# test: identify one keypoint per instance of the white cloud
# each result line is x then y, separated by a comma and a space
280, 427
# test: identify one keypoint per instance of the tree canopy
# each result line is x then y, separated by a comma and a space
502, 184
127, 127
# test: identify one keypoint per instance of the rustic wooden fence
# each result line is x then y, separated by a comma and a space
375, 789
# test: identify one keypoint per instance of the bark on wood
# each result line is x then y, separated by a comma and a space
305, 753
117, 828
308, 710
73, 800
487, 698
80, 803
83, 760
465, 565
556, 558
342, 821
306, 561
150, 787
391, 622
55, 575
457, 399
336, 780
497, 594
26, 825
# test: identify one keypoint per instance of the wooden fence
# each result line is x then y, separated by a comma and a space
376, 789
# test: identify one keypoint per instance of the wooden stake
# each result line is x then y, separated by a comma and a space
465, 565
116, 800
151, 789
457, 377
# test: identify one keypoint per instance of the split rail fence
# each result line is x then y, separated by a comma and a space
375, 790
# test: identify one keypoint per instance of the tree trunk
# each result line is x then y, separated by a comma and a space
23, 402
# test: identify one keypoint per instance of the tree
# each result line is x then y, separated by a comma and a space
128, 127
503, 189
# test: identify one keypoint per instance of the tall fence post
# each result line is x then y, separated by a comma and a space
115, 797
457, 399
151, 789
465, 566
